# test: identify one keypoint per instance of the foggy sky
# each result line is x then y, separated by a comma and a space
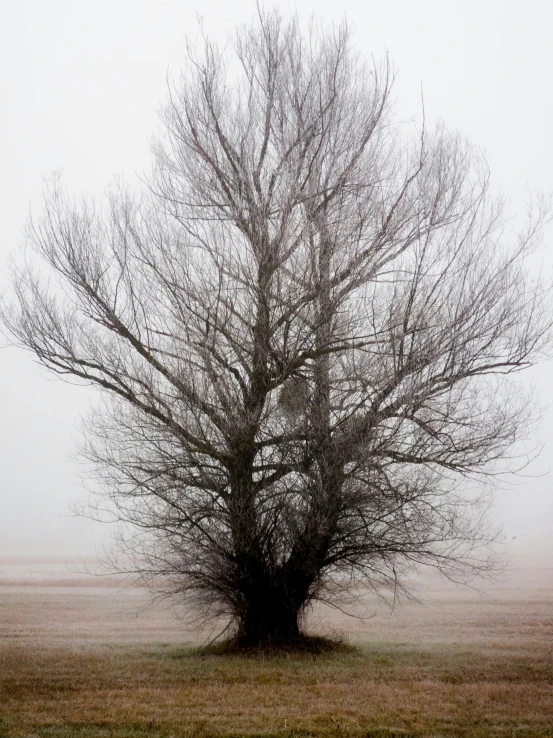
81, 83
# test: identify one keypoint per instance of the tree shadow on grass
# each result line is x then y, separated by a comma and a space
305, 645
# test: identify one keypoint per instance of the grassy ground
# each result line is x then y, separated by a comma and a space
382, 690
89, 662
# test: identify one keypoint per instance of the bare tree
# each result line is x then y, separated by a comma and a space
303, 327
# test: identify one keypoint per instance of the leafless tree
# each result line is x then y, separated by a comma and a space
303, 327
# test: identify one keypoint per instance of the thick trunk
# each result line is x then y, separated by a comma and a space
268, 618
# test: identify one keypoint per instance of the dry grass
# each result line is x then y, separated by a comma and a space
78, 662
162, 690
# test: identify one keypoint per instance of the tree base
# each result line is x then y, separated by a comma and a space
301, 645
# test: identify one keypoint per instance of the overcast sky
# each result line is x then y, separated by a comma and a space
81, 83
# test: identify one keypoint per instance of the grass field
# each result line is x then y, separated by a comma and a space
88, 661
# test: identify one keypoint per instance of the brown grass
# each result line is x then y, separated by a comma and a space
161, 691
82, 663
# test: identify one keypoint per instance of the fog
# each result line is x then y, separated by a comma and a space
80, 88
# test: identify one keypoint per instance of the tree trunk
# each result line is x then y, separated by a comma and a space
268, 618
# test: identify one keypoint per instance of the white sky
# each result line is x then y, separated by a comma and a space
80, 86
